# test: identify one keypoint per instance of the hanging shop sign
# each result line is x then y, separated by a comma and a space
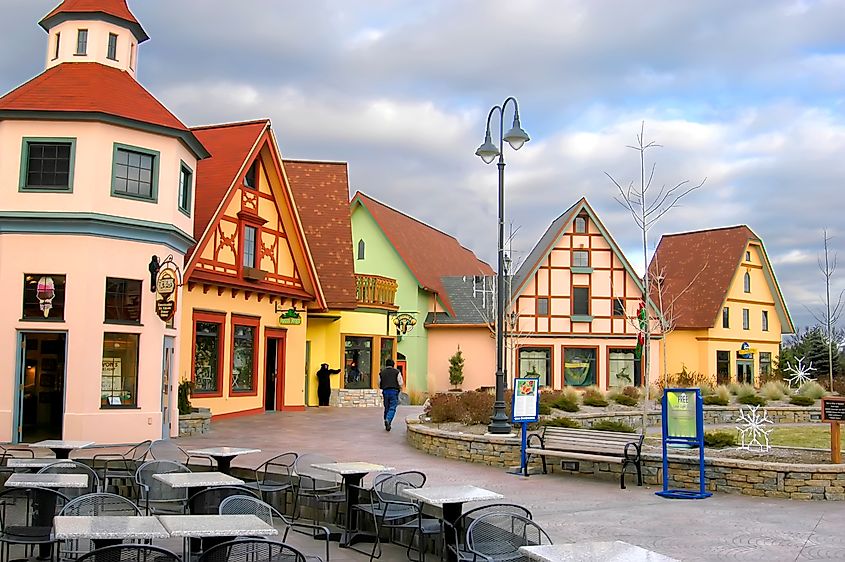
404, 323
746, 351
166, 283
290, 317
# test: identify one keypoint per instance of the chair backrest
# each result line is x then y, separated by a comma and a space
101, 504
252, 550
467, 518
388, 486
498, 534
139, 452
24, 500
154, 492
74, 467
277, 469
207, 501
130, 553
302, 467
167, 450
249, 505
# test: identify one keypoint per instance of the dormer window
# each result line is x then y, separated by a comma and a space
580, 225
112, 51
58, 42
250, 247
132, 57
249, 178
82, 42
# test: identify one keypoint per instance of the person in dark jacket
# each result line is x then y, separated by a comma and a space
390, 382
324, 384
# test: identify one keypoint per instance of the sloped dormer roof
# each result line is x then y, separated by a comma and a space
698, 268
105, 9
321, 192
428, 253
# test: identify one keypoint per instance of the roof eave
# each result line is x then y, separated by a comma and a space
51, 21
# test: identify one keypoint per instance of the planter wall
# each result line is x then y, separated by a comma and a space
355, 398
198, 421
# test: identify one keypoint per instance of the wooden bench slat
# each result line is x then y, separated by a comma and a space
574, 455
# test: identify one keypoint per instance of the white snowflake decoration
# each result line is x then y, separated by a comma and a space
800, 373
753, 430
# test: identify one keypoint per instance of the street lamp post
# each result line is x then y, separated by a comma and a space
488, 151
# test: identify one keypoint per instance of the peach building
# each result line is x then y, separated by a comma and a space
572, 319
96, 179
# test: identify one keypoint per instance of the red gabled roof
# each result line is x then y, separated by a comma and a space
321, 192
698, 268
429, 253
229, 144
90, 88
114, 8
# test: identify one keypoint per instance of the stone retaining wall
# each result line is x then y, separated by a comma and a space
732, 476
198, 421
713, 415
355, 398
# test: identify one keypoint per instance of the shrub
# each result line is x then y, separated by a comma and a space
715, 400
593, 396
444, 408
544, 409
719, 439
707, 389
773, 391
571, 394
744, 390
813, 390
631, 392
186, 387
565, 404
751, 400
456, 369
799, 400
561, 422
611, 425
734, 388
723, 393
477, 407
416, 398
625, 400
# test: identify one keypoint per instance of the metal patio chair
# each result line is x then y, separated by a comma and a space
128, 552
157, 497
273, 476
74, 467
116, 467
99, 504
496, 537
458, 546
252, 550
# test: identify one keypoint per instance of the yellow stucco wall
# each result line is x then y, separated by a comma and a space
696, 349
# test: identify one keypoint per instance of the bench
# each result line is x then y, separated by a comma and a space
589, 445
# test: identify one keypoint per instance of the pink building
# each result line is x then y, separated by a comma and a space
96, 179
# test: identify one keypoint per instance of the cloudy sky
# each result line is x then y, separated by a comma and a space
749, 95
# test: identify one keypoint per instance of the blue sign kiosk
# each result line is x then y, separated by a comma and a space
683, 425
525, 409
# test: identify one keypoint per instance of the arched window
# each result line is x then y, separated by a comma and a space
361, 247
746, 282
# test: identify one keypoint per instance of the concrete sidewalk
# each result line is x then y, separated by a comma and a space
570, 508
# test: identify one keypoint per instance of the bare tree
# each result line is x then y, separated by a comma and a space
831, 314
646, 207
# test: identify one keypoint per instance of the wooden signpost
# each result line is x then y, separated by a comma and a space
833, 412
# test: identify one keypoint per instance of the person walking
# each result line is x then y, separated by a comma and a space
390, 382
324, 383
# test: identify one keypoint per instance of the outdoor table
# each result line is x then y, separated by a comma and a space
61, 447
352, 473
24, 480
196, 481
451, 499
106, 531
615, 551
35, 463
223, 455
218, 528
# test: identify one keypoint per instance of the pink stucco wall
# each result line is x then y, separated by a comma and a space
478, 348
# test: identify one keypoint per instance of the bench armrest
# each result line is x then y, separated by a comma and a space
536, 437
637, 449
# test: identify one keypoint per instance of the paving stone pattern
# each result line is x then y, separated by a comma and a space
571, 509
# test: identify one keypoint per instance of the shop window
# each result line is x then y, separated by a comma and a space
543, 306
624, 369
112, 48
619, 307
123, 301
765, 364
746, 319
579, 366
244, 354
723, 367
580, 301
208, 353
765, 321
580, 258
536, 363
358, 361
726, 317
580, 225
135, 173
43, 297
746, 282
47, 164
119, 378
186, 176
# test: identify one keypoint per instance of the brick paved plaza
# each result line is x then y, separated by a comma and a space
571, 509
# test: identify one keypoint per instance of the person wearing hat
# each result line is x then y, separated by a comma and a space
324, 383
390, 382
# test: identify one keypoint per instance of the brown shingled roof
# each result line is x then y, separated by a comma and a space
321, 192
429, 253
711, 255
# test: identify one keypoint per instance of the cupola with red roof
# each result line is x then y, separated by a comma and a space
95, 31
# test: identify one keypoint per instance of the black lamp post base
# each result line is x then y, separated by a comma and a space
499, 423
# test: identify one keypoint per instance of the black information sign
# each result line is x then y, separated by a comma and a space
833, 409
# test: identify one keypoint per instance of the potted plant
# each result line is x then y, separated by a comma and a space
184, 398
456, 370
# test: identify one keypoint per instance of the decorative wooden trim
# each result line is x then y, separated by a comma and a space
218, 318
242, 320
252, 219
